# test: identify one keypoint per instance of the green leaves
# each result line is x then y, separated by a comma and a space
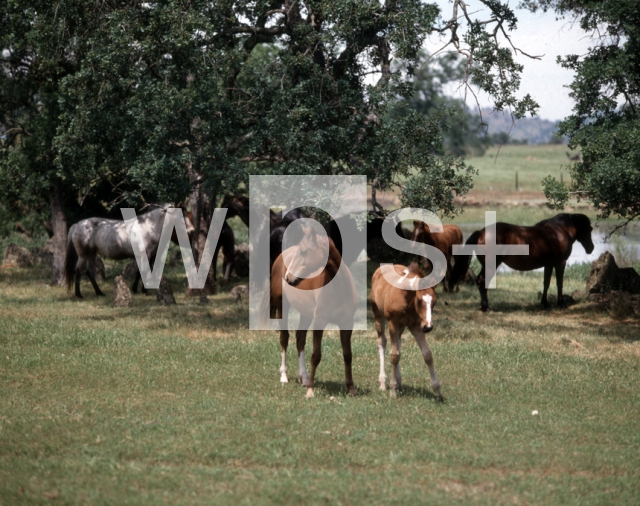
605, 123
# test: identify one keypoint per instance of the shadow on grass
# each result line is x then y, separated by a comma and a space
336, 388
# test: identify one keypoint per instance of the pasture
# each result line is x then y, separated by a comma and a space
183, 405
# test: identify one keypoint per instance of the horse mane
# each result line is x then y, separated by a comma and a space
579, 221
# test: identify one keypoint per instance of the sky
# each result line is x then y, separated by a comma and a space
541, 35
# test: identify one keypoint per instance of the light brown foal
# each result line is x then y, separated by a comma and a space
444, 241
403, 308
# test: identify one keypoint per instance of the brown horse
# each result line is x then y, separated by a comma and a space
296, 276
443, 241
403, 308
550, 243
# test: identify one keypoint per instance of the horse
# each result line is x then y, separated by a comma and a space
227, 243
443, 241
349, 228
403, 308
109, 239
335, 303
279, 225
550, 243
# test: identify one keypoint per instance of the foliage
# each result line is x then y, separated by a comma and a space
462, 130
605, 123
153, 97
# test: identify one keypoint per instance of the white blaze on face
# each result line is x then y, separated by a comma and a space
413, 280
405, 272
427, 303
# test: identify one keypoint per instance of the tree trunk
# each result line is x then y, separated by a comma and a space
59, 225
202, 207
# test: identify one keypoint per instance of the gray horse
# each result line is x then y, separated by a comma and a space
109, 238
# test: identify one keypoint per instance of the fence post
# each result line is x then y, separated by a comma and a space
516, 179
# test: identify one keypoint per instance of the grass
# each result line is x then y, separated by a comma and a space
182, 405
499, 165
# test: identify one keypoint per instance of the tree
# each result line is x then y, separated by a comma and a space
463, 132
41, 44
171, 98
605, 123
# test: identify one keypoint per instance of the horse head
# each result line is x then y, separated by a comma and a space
308, 258
421, 233
583, 228
424, 301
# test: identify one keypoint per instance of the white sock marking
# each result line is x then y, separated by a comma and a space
427, 301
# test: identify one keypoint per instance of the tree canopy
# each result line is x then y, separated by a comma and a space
157, 96
605, 123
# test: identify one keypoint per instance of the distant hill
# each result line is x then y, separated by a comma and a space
534, 130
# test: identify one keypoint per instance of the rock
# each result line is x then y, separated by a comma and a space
618, 304
121, 294
130, 270
241, 260
578, 295
41, 256
164, 294
606, 276
239, 291
14, 254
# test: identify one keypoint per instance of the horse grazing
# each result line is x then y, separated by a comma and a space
550, 243
109, 239
403, 308
227, 243
335, 303
443, 241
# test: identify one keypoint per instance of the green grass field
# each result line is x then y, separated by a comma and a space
499, 165
182, 405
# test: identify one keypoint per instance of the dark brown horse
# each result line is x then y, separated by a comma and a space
550, 243
444, 241
296, 275
403, 308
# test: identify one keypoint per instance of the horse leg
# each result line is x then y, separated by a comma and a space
548, 270
134, 287
316, 356
382, 347
398, 373
559, 280
345, 340
480, 281
283, 313
91, 273
152, 262
301, 341
395, 332
80, 266
428, 358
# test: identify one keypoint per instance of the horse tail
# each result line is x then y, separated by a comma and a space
265, 311
462, 262
71, 260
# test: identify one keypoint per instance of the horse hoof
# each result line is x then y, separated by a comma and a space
352, 391
100, 294
439, 398
383, 387
310, 394
284, 379
393, 393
